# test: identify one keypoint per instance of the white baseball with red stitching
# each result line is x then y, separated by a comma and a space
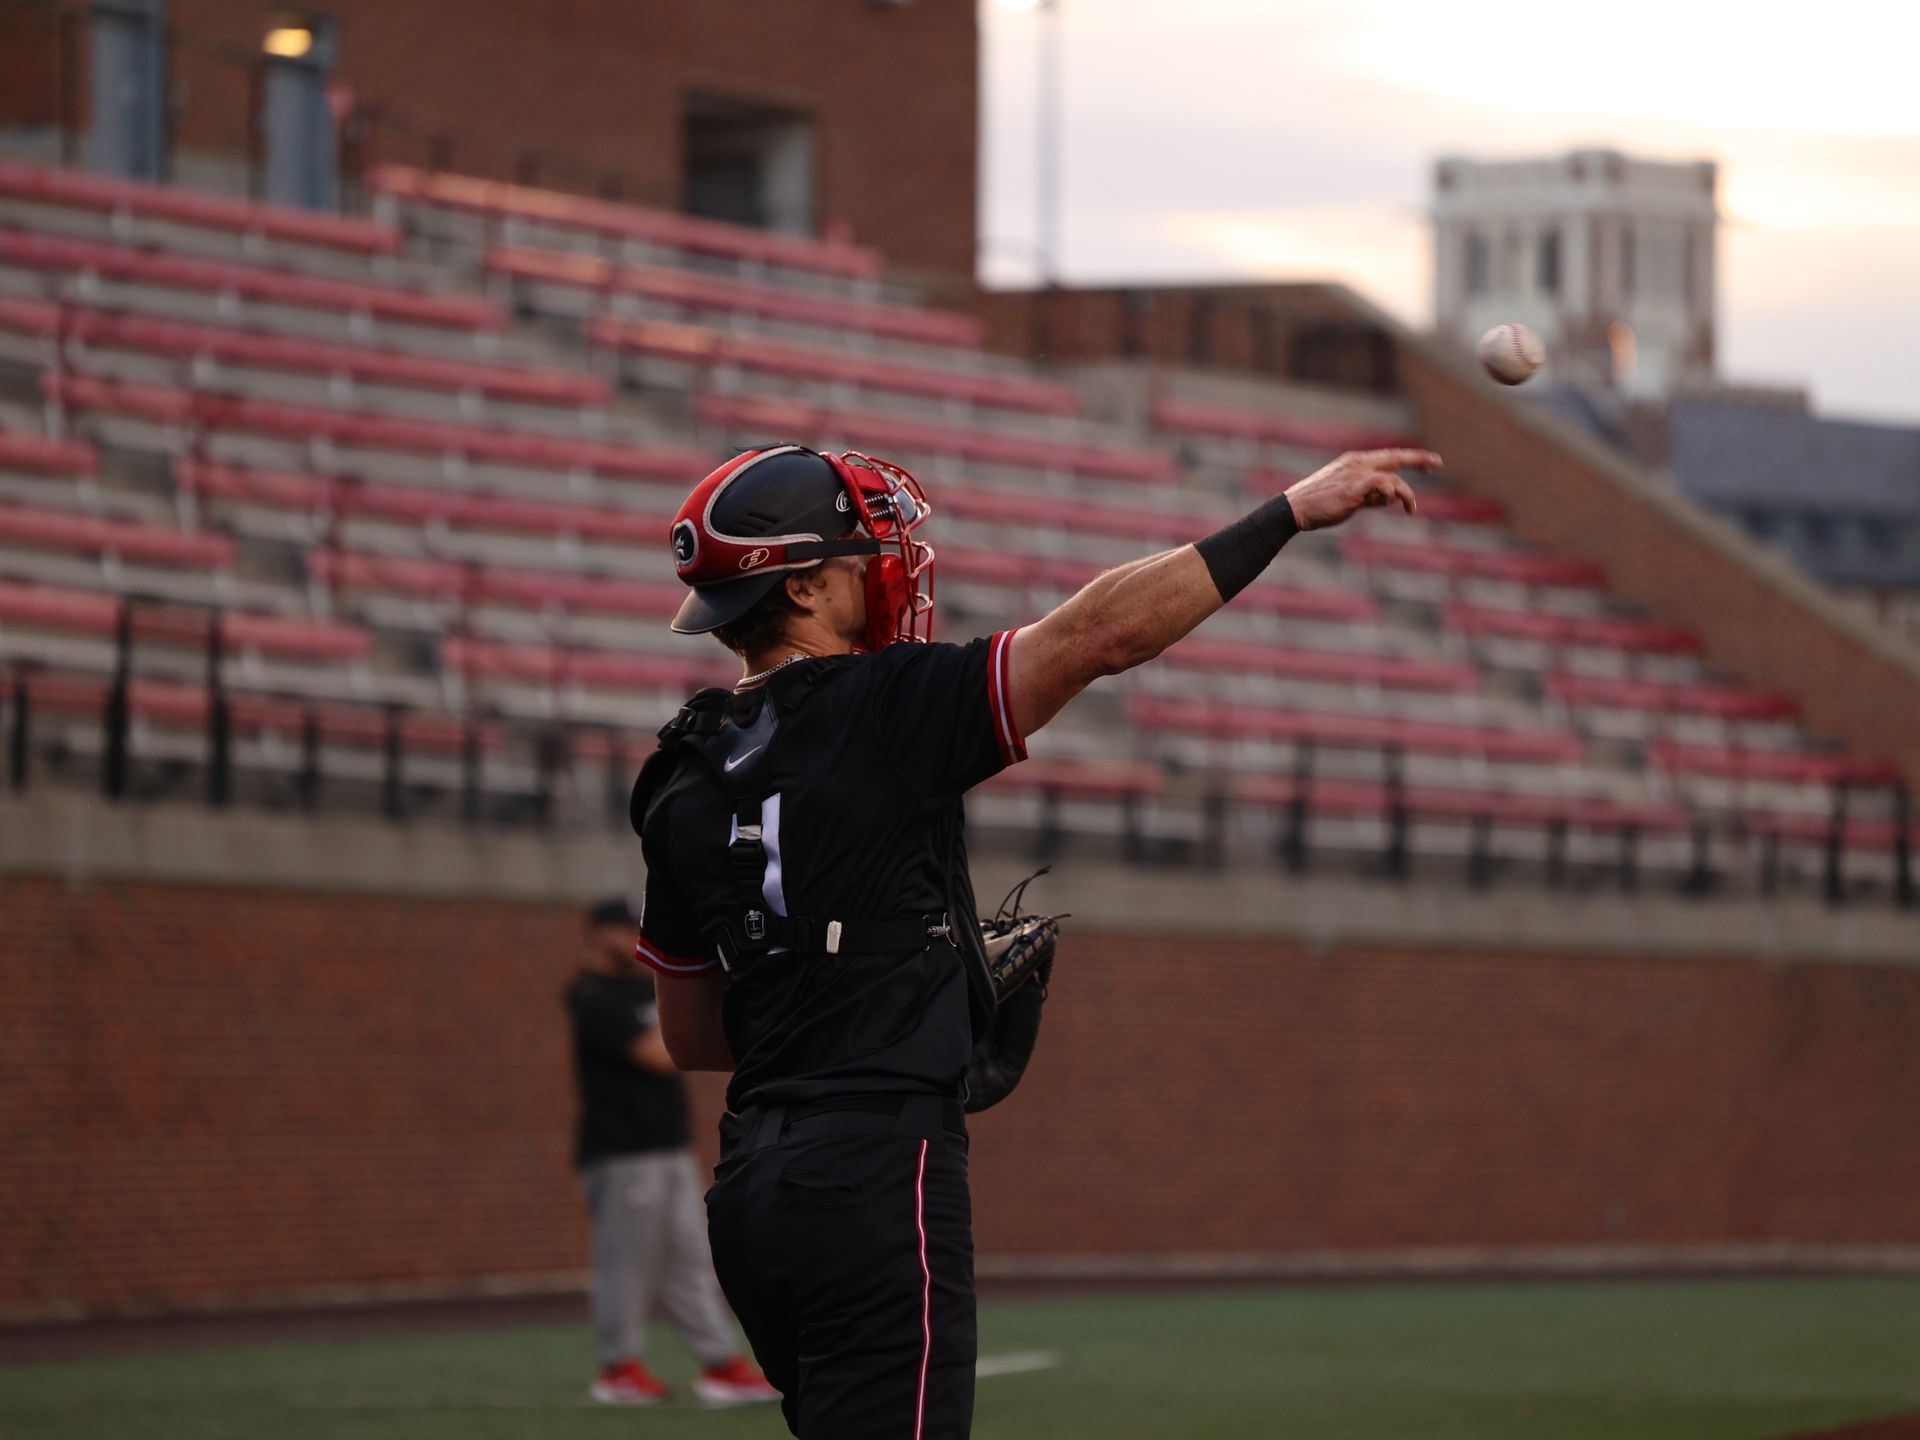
1511, 353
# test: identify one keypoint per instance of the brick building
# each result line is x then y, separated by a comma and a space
814, 113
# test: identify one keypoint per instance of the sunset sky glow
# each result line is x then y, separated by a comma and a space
1294, 139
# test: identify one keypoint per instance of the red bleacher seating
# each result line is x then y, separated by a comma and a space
347, 496
1076, 516
1442, 506
1306, 602
1368, 799
699, 346
612, 220
886, 432
1786, 766
1856, 833
1020, 569
1083, 779
96, 612
89, 534
1339, 667
252, 282
82, 190
589, 669
1328, 436
1724, 702
39, 455
1345, 730
169, 704
1604, 632
1021, 536
246, 415
119, 331
689, 291
535, 589
1428, 557
1014, 569
1450, 507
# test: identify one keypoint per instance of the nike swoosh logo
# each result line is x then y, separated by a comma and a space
739, 760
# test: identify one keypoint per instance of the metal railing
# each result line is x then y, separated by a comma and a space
555, 784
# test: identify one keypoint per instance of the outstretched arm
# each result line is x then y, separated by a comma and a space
1127, 616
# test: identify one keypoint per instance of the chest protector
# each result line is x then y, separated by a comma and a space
733, 737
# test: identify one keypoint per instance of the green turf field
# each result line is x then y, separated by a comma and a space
1694, 1360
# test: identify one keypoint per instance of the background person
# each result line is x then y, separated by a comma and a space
642, 1182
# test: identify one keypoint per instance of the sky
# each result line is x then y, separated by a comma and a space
1294, 139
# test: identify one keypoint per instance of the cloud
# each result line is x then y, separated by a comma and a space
1378, 249
1295, 138
1688, 64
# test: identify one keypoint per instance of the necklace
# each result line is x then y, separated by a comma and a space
748, 680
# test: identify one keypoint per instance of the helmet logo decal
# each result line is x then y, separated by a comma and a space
842, 502
686, 544
753, 558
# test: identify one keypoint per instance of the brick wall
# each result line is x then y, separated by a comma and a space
219, 1096
595, 87
1303, 332
29, 66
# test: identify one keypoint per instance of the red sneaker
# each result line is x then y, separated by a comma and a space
736, 1382
628, 1383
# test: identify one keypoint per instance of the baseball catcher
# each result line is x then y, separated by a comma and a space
809, 909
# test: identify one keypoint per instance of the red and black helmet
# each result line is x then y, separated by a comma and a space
781, 508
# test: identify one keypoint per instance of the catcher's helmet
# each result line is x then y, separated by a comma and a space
784, 507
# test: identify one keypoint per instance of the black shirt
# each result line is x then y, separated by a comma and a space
624, 1109
867, 766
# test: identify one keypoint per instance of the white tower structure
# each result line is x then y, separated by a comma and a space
1610, 259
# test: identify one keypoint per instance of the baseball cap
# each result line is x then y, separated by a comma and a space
615, 910
732, 536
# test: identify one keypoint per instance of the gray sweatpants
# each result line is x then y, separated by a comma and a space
650, 1257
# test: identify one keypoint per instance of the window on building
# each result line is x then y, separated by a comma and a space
748, 163
1546, 264
1628, 258
1819, 532
1763, 525
1479, 263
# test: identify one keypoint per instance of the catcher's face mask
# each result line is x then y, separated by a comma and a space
889, 505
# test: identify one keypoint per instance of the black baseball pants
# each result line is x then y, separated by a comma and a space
843, 1239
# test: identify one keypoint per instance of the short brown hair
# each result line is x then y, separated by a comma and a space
763, 626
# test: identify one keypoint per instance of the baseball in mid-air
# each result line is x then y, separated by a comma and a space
1511, 353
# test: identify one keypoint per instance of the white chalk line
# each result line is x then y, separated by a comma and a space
1018, 1362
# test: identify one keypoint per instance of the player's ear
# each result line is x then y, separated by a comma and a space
803, 588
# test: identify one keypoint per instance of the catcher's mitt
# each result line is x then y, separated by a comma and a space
1019, 951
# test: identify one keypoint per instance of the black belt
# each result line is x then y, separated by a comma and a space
850, 937
924, 1116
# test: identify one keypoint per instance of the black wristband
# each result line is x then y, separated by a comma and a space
1236, 554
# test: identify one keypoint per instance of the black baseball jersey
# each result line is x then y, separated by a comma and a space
868, 762
624, 1109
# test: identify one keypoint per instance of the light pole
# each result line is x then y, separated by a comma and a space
1047, 136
